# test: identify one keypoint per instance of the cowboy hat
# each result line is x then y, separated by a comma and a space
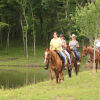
73, 35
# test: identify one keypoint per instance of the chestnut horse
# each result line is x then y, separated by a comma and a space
90, 51
73, 60
55, 64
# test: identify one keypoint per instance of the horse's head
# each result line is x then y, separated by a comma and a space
46, 56
85, 50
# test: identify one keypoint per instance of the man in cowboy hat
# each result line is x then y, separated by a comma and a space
74, 45
63, 43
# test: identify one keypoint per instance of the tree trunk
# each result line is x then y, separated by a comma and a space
66, 10
23, 36
26, 46
34, 45
34, 36
8, 38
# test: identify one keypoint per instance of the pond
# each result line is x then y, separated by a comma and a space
14, 77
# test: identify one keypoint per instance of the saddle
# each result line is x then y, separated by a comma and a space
73, 53
59, 55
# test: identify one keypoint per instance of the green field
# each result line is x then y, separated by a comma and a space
18, 76
15, 56
85, 86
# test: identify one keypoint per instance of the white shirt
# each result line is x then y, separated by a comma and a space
97, 42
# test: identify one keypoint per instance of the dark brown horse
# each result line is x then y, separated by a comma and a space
55, 65
73, 60
90, 51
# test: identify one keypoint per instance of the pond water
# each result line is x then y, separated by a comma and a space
14, 77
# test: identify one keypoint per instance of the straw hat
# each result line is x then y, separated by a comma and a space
73, 35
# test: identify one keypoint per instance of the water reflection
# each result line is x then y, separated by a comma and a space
14, 77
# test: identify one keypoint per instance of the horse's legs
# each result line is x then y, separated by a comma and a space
61, 76
91, 66
76, 67
57, 77
96, 65
51, 76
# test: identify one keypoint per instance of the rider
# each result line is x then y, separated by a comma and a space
55, 44
74, 45
64, 49
97, 43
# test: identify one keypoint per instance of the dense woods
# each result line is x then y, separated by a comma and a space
31, 22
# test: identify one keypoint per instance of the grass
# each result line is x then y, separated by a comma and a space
15, 56
85, 86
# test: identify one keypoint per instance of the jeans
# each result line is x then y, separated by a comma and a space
77, 54
63, 56
99, 48
68, 56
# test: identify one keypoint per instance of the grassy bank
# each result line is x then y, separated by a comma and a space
85, 86
15, 56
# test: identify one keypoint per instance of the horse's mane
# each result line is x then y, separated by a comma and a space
54, 55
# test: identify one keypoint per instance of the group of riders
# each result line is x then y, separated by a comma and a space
59, 44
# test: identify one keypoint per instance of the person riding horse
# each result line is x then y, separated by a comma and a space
97, 43
73, 46
55, 44
64, 48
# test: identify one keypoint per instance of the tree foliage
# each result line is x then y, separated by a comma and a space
42, 16
88, 20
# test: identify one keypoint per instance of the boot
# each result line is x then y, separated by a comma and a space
46, 67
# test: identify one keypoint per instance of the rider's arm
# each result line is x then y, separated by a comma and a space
77, 44
65, 45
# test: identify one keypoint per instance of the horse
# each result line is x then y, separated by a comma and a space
55, 64
73, 60
90, 51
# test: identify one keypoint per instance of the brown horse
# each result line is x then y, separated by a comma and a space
90, 51
73, 60
55, 64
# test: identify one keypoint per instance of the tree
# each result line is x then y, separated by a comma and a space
24, 25
88, 20
2, 26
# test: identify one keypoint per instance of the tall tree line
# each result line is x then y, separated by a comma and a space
31, 22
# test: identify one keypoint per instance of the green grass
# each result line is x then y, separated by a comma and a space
7, 55
85, 86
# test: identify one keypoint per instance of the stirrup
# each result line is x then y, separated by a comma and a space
78, 63
45, 67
